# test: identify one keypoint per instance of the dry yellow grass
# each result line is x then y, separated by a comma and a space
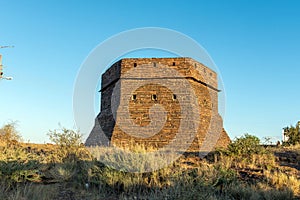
259, 176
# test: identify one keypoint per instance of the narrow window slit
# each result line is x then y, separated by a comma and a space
133, 97
154, 97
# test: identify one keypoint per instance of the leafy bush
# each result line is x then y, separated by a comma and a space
9, 133
65, 137
69, 143
246, 145
293, 134
71, 160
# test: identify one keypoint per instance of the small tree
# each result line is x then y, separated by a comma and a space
65, 137
69, 142
71, 154
293, 135
9, 133
245, 145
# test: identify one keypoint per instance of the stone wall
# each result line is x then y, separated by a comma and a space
132, 87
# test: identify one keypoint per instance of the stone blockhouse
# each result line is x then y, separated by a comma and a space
132, 86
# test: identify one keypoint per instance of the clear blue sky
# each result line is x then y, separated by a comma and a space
255, 44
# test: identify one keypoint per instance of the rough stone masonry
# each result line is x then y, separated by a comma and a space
131, 97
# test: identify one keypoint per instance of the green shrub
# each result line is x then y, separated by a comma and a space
65, 138
9, 133
69, 145
293, 134
71, 161
246, 145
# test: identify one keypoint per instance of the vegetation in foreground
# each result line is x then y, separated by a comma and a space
67, 170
